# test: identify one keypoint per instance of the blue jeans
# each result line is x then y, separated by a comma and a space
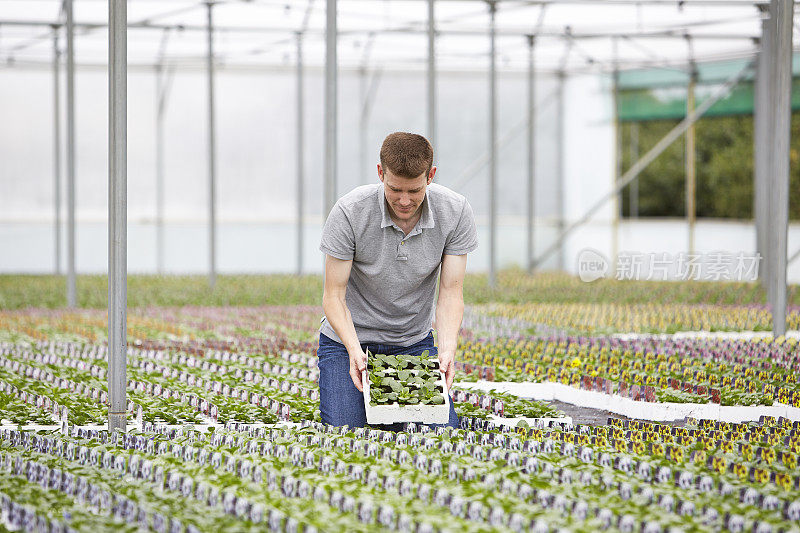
340, 402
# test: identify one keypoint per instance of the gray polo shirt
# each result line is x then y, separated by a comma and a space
392, 285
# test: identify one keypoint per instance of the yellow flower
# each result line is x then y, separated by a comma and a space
576, 362
594, 373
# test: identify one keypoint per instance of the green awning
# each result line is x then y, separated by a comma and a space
657, 94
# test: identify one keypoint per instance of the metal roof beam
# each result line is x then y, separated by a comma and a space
668, 3
521, 32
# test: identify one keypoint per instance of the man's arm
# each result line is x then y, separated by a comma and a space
337, 272
450, 311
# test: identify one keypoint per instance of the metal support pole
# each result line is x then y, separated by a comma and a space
212, 171
329, 186
691, 169
300, 154
633, 190
162, 88
365, 175
56, 152
761, 142
368, 90
363, 167
160, 168
780, 66
117, 214
617, 208
492, 146
560, 223
531, 152
431, 74
72, 299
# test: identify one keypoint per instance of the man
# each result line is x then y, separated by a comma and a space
385, 246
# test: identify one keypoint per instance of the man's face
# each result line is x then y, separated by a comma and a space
404, 195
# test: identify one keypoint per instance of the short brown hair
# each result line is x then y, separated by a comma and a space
406, 154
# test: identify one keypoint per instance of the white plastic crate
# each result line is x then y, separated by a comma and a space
389, 414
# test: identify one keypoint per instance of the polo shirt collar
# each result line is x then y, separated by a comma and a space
425, 220
386, 220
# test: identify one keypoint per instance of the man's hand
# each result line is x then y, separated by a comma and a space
358, 362
447, 364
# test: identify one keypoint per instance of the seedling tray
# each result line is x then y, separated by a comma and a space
394, 412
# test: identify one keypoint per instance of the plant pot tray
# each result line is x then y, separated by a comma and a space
391, 413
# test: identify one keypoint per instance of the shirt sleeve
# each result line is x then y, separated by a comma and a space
464, 238
338, 239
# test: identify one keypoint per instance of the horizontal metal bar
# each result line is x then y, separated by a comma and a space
794, 257
401, 65
657, 34
686, 3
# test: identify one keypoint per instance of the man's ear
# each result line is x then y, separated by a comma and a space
380, 172
431, 174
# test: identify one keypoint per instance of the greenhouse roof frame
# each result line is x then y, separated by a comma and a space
720, 28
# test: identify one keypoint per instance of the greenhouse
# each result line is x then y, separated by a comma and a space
399, 265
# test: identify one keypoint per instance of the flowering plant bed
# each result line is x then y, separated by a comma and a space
627, 476
231, 372
725, 372
404, 388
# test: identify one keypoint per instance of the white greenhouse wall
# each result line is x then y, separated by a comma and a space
256, 168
